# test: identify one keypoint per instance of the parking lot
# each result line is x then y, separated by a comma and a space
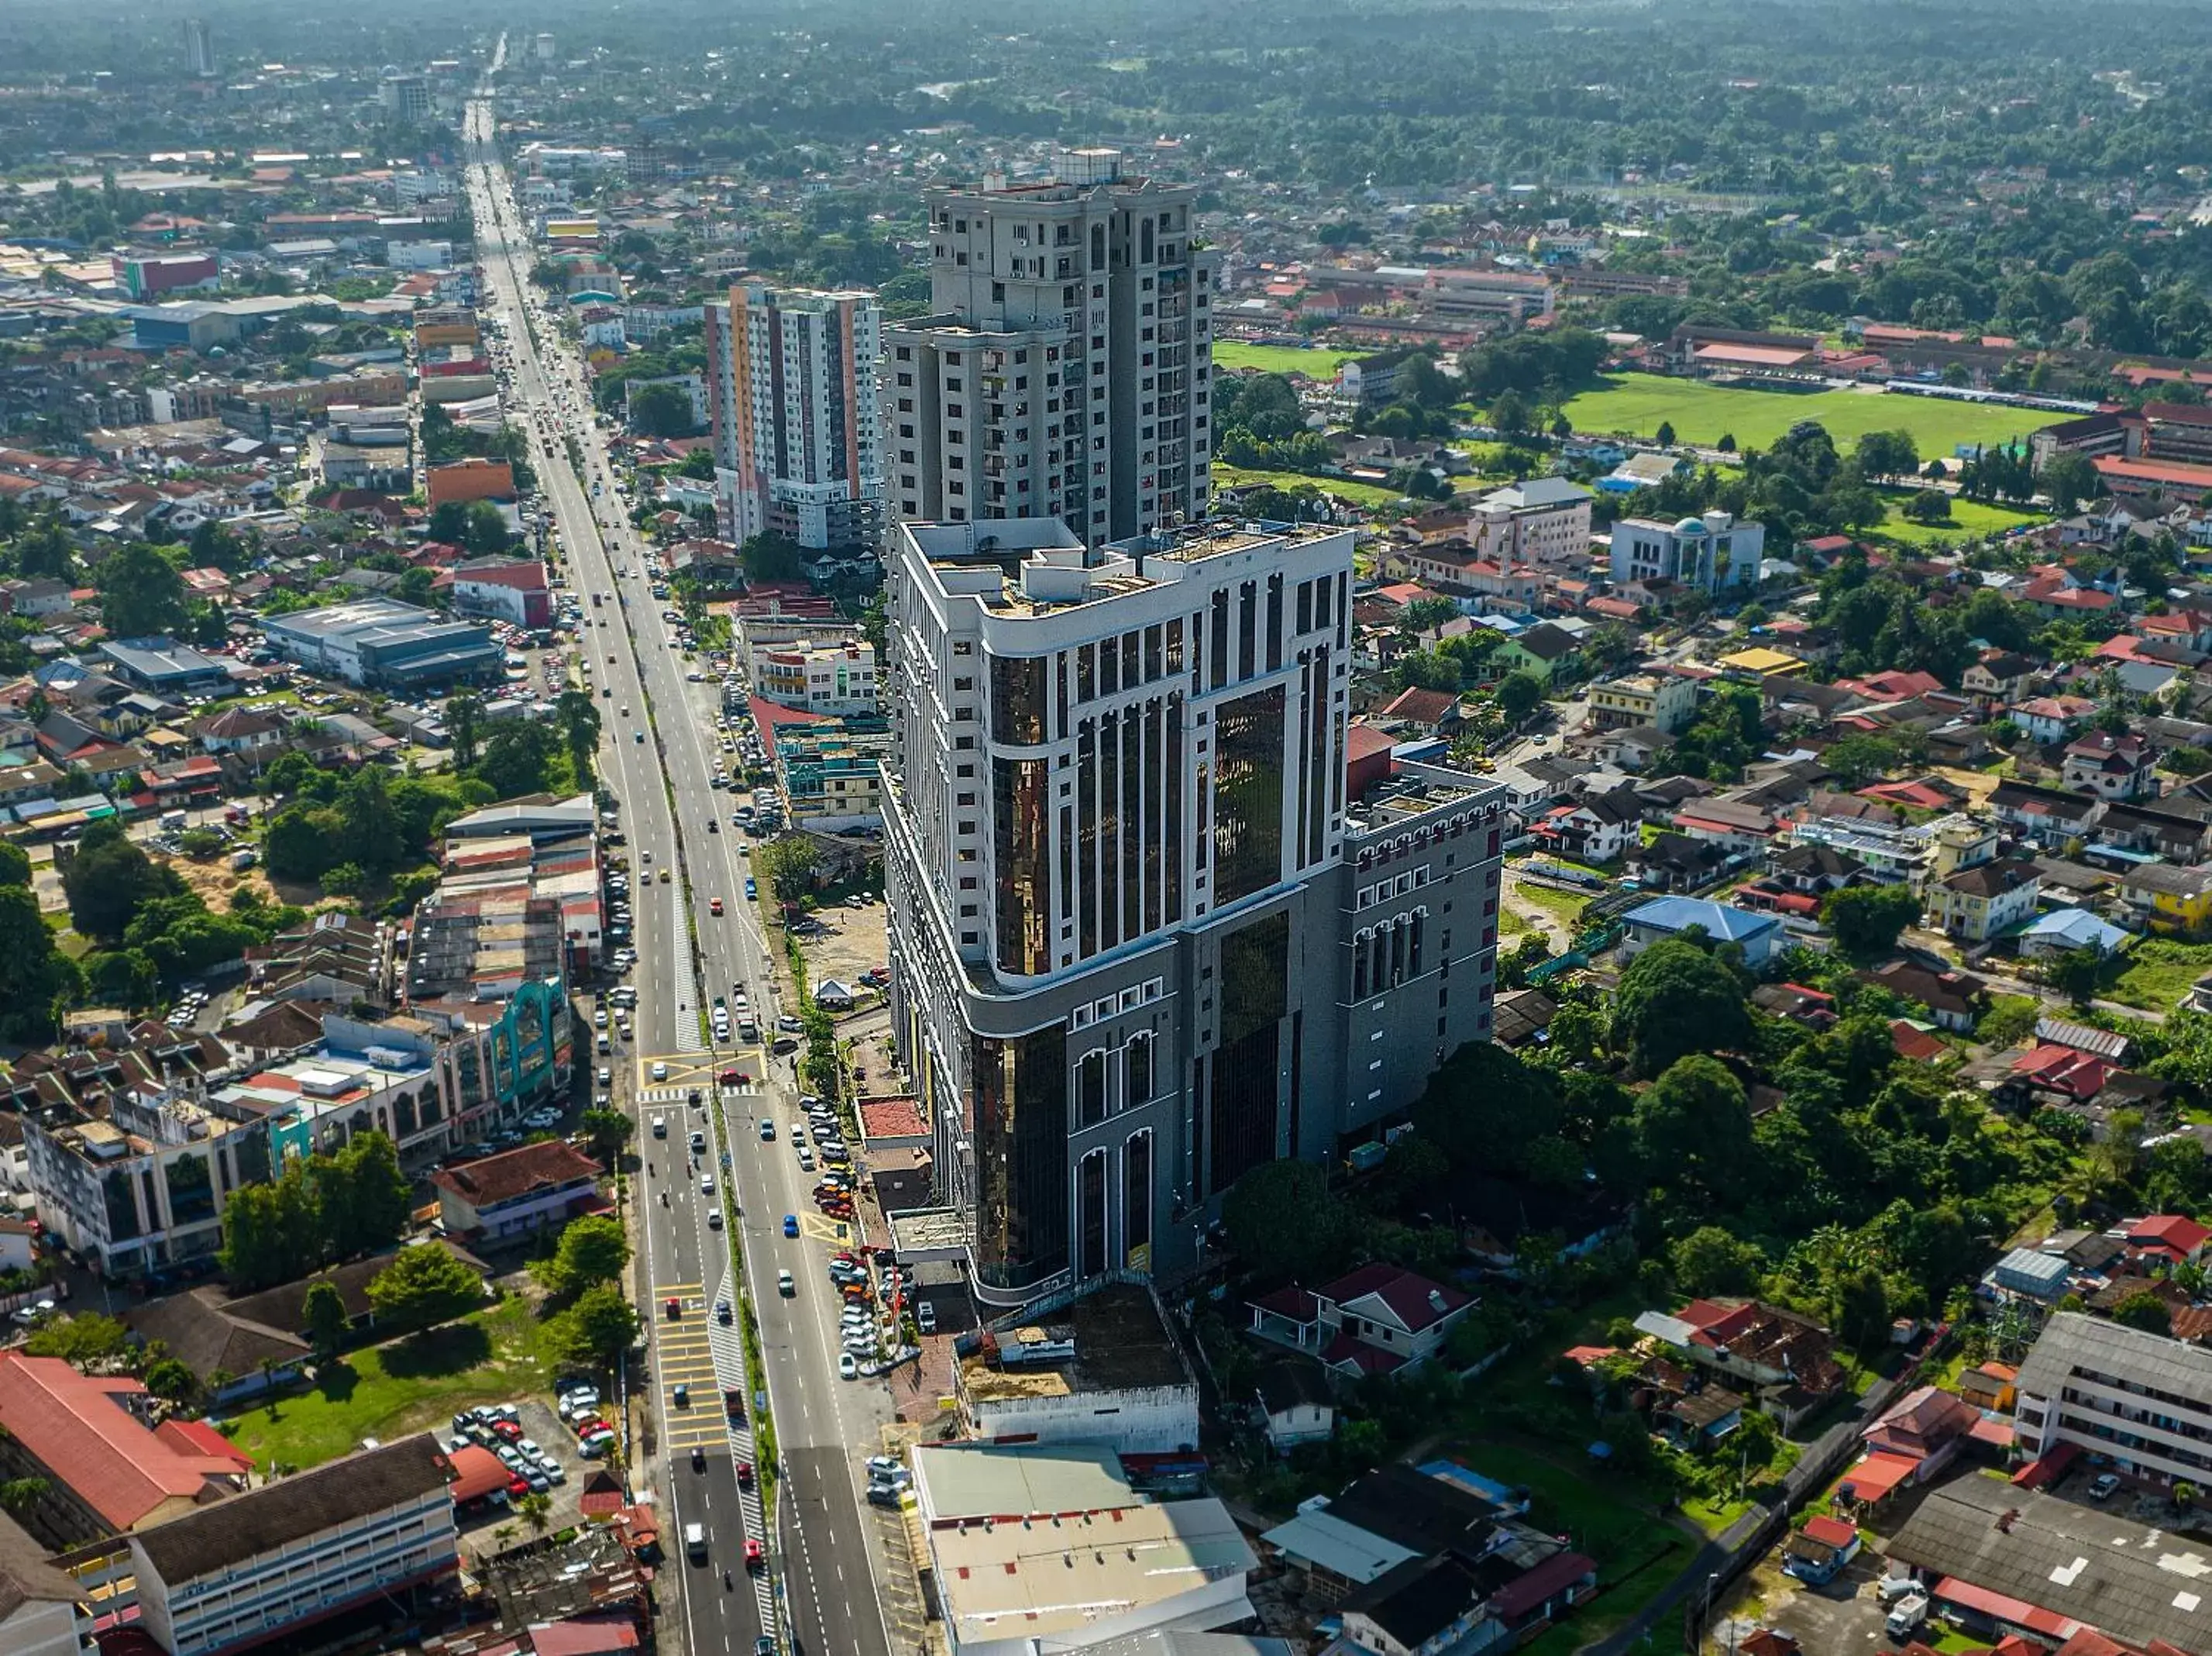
536, 1421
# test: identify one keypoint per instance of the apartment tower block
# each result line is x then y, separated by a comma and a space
791, 393
1064, 369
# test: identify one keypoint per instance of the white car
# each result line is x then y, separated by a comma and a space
660, 1071
847, 1368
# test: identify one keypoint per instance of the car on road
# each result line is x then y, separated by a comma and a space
714, 903
707, 1185
785, 1286
752, 888
660, 1071
682, 1395
754, 1557
713, 1219
790, 1224
766, 1130
848, 1368
721, 1310
744, 1475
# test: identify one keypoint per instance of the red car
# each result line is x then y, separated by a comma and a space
713, 905
507, 1431
732, 1078
755, 1558
744, 1475
675, 1308
517, 1487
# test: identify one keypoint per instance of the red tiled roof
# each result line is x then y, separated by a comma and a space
544, 1166
477, 1472
1413, 1299
77, 1428
1831, 1531
1527, 1591
584, 1635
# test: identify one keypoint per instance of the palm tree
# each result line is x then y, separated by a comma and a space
537, 1508
502, 1535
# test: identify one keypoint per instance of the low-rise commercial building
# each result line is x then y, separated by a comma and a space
292, 1554
381, 644
503, 1197
137, 1177
1047, 1546
1105, 1369
1665, 701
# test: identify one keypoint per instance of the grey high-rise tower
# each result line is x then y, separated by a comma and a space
199, 49
1064, 369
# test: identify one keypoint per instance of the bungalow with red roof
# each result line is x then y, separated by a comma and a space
1377, 1320
2168, 1239
1435, 711
1893, 686
1926, 1426
1820, 1551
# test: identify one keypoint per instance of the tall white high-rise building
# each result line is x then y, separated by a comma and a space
792, 403
1149, 928
199, 49
1064, 370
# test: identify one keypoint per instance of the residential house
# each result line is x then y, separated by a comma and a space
1974, 904
1736, 825
2165, 1240
1436, 712
1786, 1360
1545, 650
1760, 936
1377, 1320
1597, 828
1295, 1405
2047, 719
1998, 679
2048, 816
2168, 899
1927, 1427
2112, 767
1675, 862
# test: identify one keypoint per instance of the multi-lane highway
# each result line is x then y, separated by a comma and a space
819, 1589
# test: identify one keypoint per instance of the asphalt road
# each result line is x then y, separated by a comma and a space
825, 1559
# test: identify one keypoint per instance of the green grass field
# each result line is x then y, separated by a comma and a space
1360, 493
1700, 413
1968, 517
386, 1392
2157, 972
1278, 359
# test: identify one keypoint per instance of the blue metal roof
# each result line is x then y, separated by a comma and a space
1721, 922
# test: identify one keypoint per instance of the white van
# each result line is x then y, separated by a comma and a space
694, 1543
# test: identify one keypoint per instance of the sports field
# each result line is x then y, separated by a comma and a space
1278, 359
1968, 517
1634, 404
1360, 494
